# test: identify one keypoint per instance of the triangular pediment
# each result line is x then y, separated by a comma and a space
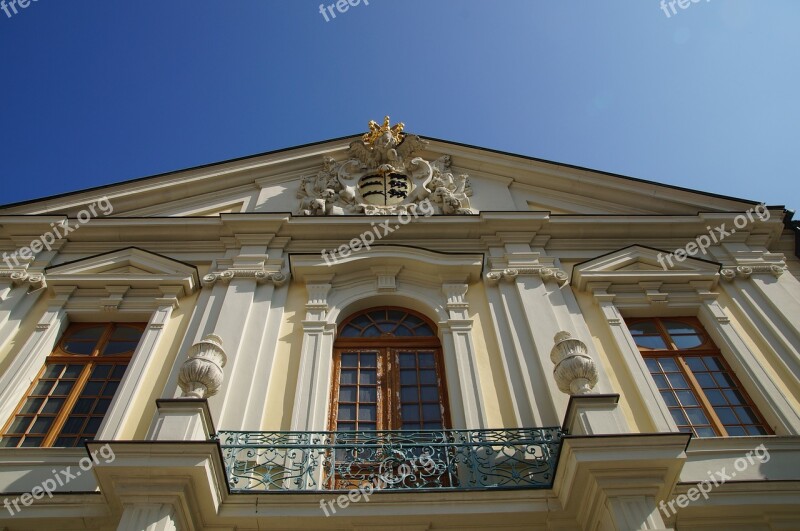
351, 175
637, 264
131, 267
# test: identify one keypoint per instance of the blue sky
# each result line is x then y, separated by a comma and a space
97, 92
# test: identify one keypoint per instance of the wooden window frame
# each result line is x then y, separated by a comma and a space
706, 348
59, 356
388, 349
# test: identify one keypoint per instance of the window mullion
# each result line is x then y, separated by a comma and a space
701, 396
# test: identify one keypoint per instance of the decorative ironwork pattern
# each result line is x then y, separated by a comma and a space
520, 458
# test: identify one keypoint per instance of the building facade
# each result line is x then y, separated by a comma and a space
390, 332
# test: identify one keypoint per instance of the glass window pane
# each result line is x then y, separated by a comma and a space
368, 376
73, 425
32, 405
408, 360
735, 431
408, 394
705, 432
67, 442
119, 347
427, 376
427, 359
110, 389
687, 341
9, 442
41, 425
734, 397
669, 398
687, 398
756, 430
643, 327
348, 377
119, 371
20, 425
410, 413
350, 331
43, 387
668, 365
408, 377
63, 387
713, 363
677, 327
368, 394
73, 371
695, 363
715, 398
430, 394
372, 331
431, 412
424, 331
347, 394
654, 342
101, 406
368, 359
92, 426
677, 381
679, 417
350, 360
92, 388
53, 371
705, 380
83, 405
661, 381
122, 332
32, 442
53, 405
723, 380
347, 412
746, 415
367, 413
403, 331
92, 332
79, 347
652, 365
726, 415
101, 372
696, 415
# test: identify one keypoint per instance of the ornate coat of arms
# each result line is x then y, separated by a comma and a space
382, 177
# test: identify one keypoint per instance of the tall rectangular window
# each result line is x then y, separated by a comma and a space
67, 402
700, 389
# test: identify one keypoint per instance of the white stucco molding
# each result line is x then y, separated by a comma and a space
435, 284
631, 280
27, 363
124, 285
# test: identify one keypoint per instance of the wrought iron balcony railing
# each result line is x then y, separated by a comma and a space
523, 458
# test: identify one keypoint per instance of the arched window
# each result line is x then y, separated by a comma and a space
388, 373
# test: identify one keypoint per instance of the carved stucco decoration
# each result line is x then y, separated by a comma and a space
746, 271
382, 177
575, 371
201, 374
19, 277
547, 273
260, 275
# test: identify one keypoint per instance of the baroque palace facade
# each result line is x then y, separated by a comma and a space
397, 333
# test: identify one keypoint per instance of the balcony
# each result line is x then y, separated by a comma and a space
434, 460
